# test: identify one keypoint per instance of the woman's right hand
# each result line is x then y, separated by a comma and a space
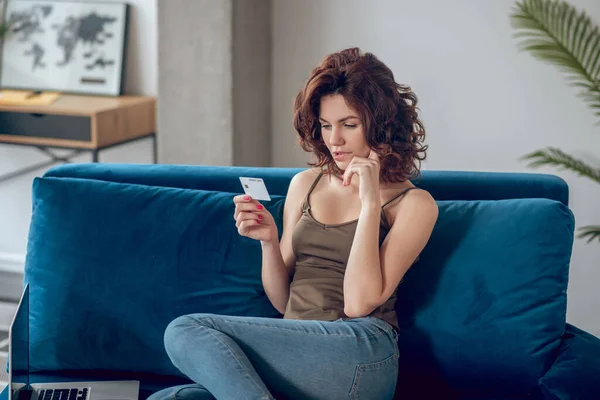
253, 220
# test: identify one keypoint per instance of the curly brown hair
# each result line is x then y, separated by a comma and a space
388, 112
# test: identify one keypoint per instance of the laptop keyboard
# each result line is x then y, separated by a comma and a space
64, 394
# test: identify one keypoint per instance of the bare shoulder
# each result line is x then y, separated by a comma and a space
300, 184
416, 203
421, 196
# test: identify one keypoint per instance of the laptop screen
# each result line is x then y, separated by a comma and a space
18, 349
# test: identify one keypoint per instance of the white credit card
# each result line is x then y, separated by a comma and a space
255, 188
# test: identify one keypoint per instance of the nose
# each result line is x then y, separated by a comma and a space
336, 138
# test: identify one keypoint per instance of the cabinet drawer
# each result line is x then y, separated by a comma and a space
54, 126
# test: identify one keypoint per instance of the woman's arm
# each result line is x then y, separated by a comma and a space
278, 260
373, 273
275, 275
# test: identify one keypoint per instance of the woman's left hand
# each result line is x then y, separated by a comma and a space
367, 170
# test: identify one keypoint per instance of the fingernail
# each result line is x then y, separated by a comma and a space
259, 221
260, 217
259, 207
246, 198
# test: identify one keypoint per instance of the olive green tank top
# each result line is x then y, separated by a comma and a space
322, 252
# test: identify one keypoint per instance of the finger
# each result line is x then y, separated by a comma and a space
245, 227
245, 216
242, 198
348, 171
373, 155
345, 176
348, 176
253, 206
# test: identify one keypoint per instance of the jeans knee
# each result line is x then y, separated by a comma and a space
176, 336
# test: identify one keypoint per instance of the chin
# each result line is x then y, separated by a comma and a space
341, 165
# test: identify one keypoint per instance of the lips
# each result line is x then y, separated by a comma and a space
339, 155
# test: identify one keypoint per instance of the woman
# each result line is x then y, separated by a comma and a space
352, 226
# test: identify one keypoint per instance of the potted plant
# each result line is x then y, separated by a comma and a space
555, 32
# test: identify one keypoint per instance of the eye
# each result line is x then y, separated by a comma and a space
325, 126
350, 126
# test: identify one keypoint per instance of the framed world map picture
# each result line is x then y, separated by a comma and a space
65, 46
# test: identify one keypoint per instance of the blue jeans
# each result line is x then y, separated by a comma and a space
247, 358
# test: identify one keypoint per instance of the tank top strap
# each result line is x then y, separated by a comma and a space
306, 202
402, 193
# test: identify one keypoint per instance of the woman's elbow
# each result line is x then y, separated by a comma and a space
358, 310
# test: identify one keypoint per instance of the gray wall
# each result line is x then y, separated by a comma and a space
252, 82
214, 85
194, 119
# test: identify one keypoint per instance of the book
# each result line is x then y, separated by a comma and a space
27, 98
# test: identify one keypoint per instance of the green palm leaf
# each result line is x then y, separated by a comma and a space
558, 158
3, 30
554, 31
589, 232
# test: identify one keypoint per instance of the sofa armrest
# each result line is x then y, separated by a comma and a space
576, 371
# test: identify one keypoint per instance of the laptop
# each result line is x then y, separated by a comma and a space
20, 386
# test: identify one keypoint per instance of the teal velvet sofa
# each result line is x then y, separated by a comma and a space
115, 252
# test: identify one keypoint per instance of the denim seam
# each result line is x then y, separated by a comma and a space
230, 350
385, 361
174, 396
365, 367
382, 332
385, 326
352, 391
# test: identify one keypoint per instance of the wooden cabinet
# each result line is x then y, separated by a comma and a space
82, 123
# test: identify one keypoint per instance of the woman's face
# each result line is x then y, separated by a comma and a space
342, 130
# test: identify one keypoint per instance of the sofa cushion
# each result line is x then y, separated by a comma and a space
484, 309
110, 265
574, 374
